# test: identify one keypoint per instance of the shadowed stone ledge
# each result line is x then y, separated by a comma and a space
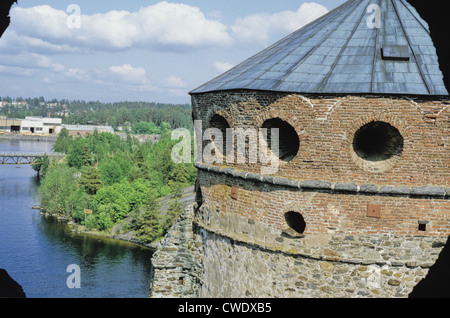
321, 185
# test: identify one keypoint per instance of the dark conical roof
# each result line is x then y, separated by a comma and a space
342, 53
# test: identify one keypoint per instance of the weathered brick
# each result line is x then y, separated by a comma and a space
326, 181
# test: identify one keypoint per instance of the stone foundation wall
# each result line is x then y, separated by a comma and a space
177, 263
228, 255
236, 270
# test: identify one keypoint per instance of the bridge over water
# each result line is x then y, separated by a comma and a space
22, 158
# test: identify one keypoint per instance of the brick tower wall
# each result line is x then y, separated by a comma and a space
327, 182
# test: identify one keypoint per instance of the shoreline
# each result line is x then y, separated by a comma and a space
187, 198
38, 138
79, 229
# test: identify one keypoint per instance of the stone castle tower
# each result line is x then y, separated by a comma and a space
357, 203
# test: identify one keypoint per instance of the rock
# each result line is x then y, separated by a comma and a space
394, 282
291, 232
9, 288
326, 266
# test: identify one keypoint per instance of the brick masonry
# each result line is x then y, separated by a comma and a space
326, 126
372, 228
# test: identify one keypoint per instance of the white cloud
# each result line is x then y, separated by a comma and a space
12, 42
129, 73
31, 61
222, 67
163, 25
17, 71
29, 47
40, 22
258, 27
172, 24
24, 64
174, 82
76, 73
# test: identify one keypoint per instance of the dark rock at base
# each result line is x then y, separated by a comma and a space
9, 287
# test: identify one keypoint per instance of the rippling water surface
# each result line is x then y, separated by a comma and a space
37, 251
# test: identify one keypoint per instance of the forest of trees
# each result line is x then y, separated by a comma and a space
113, 179
121, 114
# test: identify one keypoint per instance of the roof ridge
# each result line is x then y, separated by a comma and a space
276, 44
325, 79
407, 6
293, 67
419, 66
319, 21
374, 60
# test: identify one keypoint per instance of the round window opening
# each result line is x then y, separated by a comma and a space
378, 141
288, 141
295, 221
220, 123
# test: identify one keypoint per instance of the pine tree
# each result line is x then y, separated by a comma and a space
141, 162
86, 156
90, 180
148, 224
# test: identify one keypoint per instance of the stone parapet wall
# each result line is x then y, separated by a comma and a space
329, 210
349, 187
177, 263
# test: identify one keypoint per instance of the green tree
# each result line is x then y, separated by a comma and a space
90, 180
178, 179
63, 141
165, 127
148, 226
111, 172
80, 201
129, 177
41, 165
75, 153
57, 188
178, 174
141, 162
86, 156
172, 214
105, 216
116, 202
141, 128
139, 193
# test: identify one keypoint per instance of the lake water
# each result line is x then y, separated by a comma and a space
37, 251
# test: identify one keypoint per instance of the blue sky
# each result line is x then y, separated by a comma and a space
155, 51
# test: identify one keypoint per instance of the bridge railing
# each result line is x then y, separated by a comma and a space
23, 158
30, 154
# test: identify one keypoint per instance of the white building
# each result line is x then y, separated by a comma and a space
41, 125
83, 130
